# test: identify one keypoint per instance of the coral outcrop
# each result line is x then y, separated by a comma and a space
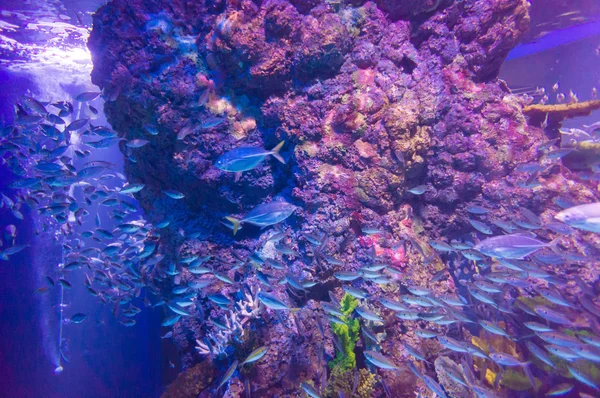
372, 98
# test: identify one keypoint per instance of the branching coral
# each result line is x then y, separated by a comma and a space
558, 112
216, 343
251, 307
347, 335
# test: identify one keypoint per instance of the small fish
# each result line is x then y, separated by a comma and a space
379, 360
42, 290
272, 302
368, 314
582, 377
87, 96
426, 334
246, 158
482, 392
137, 143
393, 305
223, 278
76, 125
346, 275
255, 355
458, 245
65, 283
538, 327
35, 106
481, 227
559, 339
585, 217
477, 209
419, 290
132, 188
371, 231
368, 333
414, 352
162, 224
310, 390
228, 374
284, 249
355, 292
559, 153
434, 386
335, 319
418, 190
78, 318
170, 321
592, 340
333, 260
212, 122
219, 298
551, 315
528, 167
452, 344
312, 239
506, 359
473, 255
332, 309
494, 329
561, 389
408, 315
506, 226
539, 353
173, 194
441, 246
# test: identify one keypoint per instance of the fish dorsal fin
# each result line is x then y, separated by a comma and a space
524, 234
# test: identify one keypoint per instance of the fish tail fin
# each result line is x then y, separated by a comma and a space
235, 222
275, 152
554, 246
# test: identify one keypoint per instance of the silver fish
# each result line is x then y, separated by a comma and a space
514, 246
264, 215
246, 158
379, 360
585, 217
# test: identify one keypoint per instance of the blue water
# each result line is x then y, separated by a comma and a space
105, 358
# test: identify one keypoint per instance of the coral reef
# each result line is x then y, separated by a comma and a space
372, 99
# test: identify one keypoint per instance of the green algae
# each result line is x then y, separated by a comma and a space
347, 335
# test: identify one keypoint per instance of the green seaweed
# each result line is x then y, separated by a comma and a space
347, 335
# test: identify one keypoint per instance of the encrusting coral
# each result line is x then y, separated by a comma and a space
191, 381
